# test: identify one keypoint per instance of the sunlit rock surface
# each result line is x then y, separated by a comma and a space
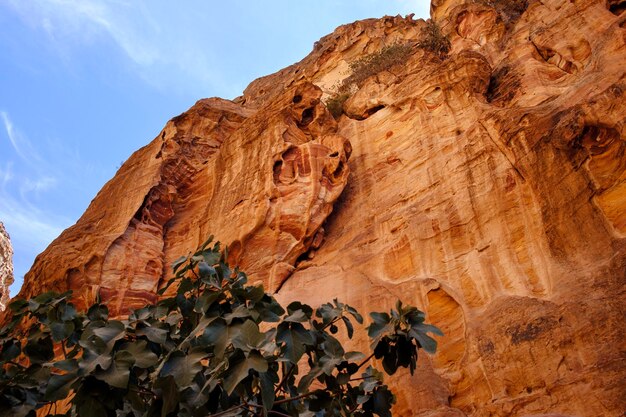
488, 188
6, 266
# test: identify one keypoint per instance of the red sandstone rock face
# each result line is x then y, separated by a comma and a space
488, 188
6, 266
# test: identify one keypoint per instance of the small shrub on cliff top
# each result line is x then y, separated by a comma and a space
434, 40
508, 10
363, 68
335, 104
376, 62
217, 347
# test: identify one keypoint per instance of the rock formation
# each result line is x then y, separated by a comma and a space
6, 266
487, 187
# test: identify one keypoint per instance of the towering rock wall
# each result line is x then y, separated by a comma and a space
488, 187
6, 266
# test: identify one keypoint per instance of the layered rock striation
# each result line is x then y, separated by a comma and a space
6, 266
487, 187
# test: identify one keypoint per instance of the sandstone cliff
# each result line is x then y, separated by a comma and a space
487, 187
6, 266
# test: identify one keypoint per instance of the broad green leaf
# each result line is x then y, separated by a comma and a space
68, 312
98, 312
355, 314
426, 342
379, 327
246, 336
354, 356
333, 348
11, 350
111, 332
240, 367
205, 270
169, 282
118, 372
383, 400
61, 330
18, 305
183, 367
329, 363
267, 381
349, 327
178, 262
295, 337
297, 316
90, 406
169, 394
211, 257
240, 312
92, 359
207, 242
68, 365
153, 334
390, 361
427, 328
39, 350
142, 355
215, 334
296, 305
58, 386
306, 380
255, 293
185, 286
269, 310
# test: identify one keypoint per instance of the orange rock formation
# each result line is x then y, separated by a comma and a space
6, 266
488, 187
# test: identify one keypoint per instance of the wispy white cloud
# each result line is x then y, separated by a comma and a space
6, 174
154, 52
20, 144
29, 181
28, 224
83, 21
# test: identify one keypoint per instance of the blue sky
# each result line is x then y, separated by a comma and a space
84, 83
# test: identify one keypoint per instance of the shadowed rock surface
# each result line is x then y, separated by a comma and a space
487, 187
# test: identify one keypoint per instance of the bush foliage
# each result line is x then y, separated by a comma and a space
376, 62
509, 10
434, 40
362, 69
431, 39
216, 347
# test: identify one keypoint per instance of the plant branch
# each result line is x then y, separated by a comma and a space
298, 397
285, 379
330, 323
221, 413
360, 379
366, 360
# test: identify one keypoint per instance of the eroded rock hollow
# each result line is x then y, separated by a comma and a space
487, 186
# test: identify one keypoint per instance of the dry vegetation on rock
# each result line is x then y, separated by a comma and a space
365, 67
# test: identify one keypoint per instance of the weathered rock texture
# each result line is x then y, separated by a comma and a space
6, 266
489, 188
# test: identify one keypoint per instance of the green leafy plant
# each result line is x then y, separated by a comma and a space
362, 69
433, 40
215, 347
376, 62
334, 104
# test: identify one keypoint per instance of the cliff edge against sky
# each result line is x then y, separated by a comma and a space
487, 187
